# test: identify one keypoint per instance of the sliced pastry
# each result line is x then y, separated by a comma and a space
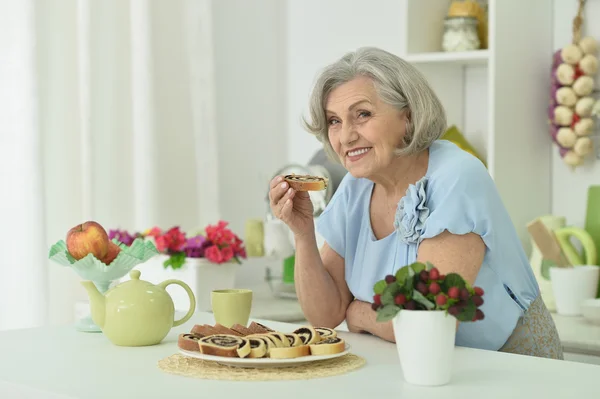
325, 332
328, 346
189, 342
294, 339
258, 347
258, 328
243, 330
225, 345
281, 337
203, 330
221, 329
267, 340
289, 352
308, 335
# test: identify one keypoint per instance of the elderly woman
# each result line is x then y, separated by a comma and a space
408, 197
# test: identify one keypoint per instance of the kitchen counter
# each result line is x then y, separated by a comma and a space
60, 362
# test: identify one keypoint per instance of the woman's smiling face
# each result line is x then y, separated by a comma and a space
364, 131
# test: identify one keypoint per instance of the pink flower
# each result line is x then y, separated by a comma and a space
227, 253
214, 254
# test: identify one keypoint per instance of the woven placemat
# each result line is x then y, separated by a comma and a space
197, 368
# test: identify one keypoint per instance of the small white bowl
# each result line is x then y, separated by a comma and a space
590, 309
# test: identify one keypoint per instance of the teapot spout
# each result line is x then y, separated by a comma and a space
97, 303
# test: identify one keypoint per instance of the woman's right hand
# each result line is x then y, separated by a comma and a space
293, 207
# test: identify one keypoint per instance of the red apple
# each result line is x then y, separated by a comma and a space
86, 238
113, 251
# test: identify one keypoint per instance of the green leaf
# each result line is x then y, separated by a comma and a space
454, 280
387, 313
428, 266
401, 275
417, 296
467, 312
379, 287
417, 267
390, 291
176, 261
546, 265
409, 285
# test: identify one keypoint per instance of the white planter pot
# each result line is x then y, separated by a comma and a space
572, 286
201, 275
425, 343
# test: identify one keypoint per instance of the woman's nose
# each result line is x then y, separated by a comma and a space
349, 134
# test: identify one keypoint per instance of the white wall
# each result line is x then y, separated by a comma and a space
318, 33
569, 188
249, 38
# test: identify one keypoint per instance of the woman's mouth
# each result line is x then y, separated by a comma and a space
357, 153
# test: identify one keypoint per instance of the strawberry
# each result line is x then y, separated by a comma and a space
464, 294
390, 279
434, 288
478, 291
477, 300
434, 274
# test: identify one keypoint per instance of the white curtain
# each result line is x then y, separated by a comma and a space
107, 114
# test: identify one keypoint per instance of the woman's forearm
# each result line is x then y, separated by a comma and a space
361, 318
317, 292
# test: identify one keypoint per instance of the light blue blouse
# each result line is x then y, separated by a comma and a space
456, 194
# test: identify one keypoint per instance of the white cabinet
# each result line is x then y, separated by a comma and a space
497, 97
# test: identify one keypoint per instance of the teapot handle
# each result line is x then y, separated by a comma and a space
187, 289
587, 243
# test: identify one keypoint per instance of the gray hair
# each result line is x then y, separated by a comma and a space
397, 82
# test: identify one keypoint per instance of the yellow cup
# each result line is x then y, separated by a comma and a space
231, 306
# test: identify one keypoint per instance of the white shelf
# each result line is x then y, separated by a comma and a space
479, 57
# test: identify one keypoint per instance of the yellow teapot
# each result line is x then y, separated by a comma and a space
136, 312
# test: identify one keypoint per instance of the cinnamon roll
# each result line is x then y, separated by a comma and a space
225, 345
294, 339
328, 346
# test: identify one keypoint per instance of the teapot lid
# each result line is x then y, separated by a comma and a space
134, 274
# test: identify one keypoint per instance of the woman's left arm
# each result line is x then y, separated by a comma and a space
450, 253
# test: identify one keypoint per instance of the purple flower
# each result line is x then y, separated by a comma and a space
122, 236
195, 246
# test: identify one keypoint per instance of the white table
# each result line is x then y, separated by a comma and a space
63, 363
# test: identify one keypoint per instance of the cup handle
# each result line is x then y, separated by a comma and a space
587, 243
191, 295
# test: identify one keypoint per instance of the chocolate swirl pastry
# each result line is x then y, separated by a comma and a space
189, 342
294, 339
225, 345
325, 332
308, 335
328, 346
258, 348
306, 182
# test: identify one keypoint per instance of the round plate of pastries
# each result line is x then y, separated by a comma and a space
260, 346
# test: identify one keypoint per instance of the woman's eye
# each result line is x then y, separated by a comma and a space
333, 121
364, 114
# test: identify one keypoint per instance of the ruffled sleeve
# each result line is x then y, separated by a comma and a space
461, 199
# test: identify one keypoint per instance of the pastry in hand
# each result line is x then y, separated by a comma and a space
325, 332
189, 342
308, 335
328, 346
258, 347
306, 182
289, 352
225, 345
